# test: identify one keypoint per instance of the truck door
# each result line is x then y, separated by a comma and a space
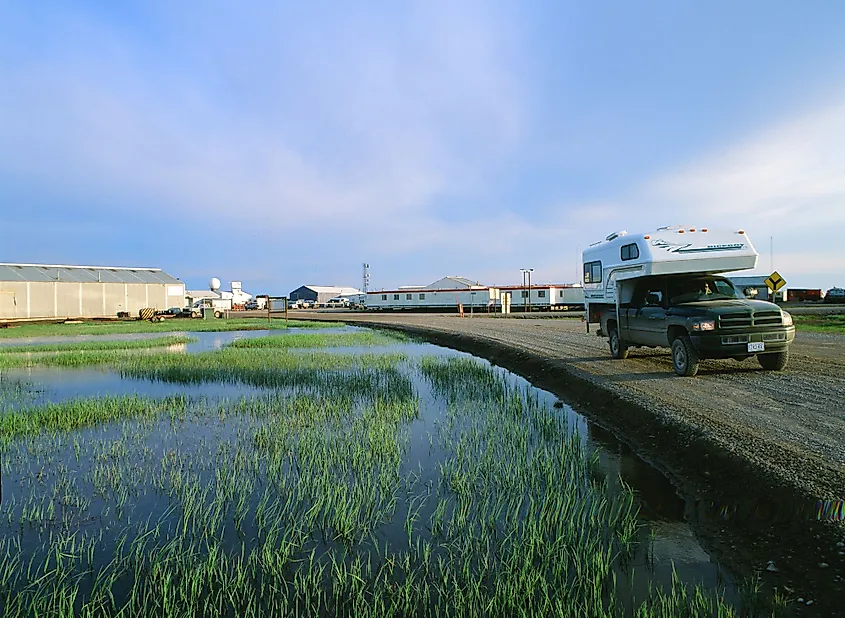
647, 317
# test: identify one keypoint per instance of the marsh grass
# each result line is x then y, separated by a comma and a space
306, 501
77, 413
89, 346
168, 326
366, 338
829, 323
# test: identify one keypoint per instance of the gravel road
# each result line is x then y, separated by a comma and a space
752, 450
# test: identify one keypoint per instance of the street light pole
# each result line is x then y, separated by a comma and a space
530, 270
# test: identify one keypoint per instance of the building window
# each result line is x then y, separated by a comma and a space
396, 297
541, 293
409, 297
524, 294
592, 272
561, 293
422, 296
630, 252
384, 296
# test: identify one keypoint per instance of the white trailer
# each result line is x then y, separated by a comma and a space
476, 297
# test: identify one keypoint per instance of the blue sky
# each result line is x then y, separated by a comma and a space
283, 144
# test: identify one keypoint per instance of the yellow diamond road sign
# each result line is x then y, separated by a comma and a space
775, 282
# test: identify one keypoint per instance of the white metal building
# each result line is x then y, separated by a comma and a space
321, 294
62, 291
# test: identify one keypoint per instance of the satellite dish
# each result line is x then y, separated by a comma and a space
214, 284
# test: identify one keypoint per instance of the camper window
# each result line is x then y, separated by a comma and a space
384, 296
541, 293
396, 297
630, 252
409, 297
592, 272
422, 296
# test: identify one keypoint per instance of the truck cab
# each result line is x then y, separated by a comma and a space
699, 316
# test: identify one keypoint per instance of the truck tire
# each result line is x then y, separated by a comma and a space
774, 361
618, 348
217, 314
684, 356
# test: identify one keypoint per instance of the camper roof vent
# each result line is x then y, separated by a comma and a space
616, 235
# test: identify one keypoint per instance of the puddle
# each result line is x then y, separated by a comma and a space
674, 547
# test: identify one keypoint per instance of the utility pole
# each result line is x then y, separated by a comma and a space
365, 285
772, 253
526, 293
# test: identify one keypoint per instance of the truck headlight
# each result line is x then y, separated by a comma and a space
704, 325
786, 318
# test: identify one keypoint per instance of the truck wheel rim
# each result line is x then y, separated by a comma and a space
680, 356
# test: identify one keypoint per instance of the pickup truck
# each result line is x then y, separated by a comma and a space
698, 317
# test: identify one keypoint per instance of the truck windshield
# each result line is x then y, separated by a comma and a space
700, 289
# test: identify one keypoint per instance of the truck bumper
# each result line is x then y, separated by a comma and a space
727, 345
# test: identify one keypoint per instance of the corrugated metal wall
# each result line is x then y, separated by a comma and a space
84, 300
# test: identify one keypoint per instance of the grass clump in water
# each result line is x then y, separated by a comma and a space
77, 413
89, 346
168, 326
313, 340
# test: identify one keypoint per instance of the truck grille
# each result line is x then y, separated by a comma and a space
735, 319
767, 318
743, 319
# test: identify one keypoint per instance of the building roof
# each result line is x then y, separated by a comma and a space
330, 289
202, 294
49, 273
756, 280
452, 282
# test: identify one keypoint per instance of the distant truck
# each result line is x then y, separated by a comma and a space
219, 305
835, 295
662, 289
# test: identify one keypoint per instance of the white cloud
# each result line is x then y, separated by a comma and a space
358, 118
791, 175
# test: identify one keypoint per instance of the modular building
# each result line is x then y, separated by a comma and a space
60, 291
452, 293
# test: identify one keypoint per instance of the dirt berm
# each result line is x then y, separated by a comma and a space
752, 451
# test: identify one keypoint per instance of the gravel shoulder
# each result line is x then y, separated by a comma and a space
764, 446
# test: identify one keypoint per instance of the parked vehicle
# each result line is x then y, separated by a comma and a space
835, 295
337, 301
661, 290
220, 306
251, 305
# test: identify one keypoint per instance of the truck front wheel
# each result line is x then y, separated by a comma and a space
618, 348
684, 356
775, 361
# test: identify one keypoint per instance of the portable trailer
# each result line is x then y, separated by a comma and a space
662, 289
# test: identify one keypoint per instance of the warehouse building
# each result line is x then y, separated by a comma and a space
60, 291
321, 294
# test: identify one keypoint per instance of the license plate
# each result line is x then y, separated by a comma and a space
756, 346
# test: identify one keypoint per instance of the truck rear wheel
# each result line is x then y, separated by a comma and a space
618, 348
684, 356
218, 314
774, 361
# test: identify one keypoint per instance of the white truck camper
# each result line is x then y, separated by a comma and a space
662, 289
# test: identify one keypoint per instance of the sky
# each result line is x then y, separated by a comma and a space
283, 144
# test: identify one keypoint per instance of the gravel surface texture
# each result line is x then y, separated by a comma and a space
761, 446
